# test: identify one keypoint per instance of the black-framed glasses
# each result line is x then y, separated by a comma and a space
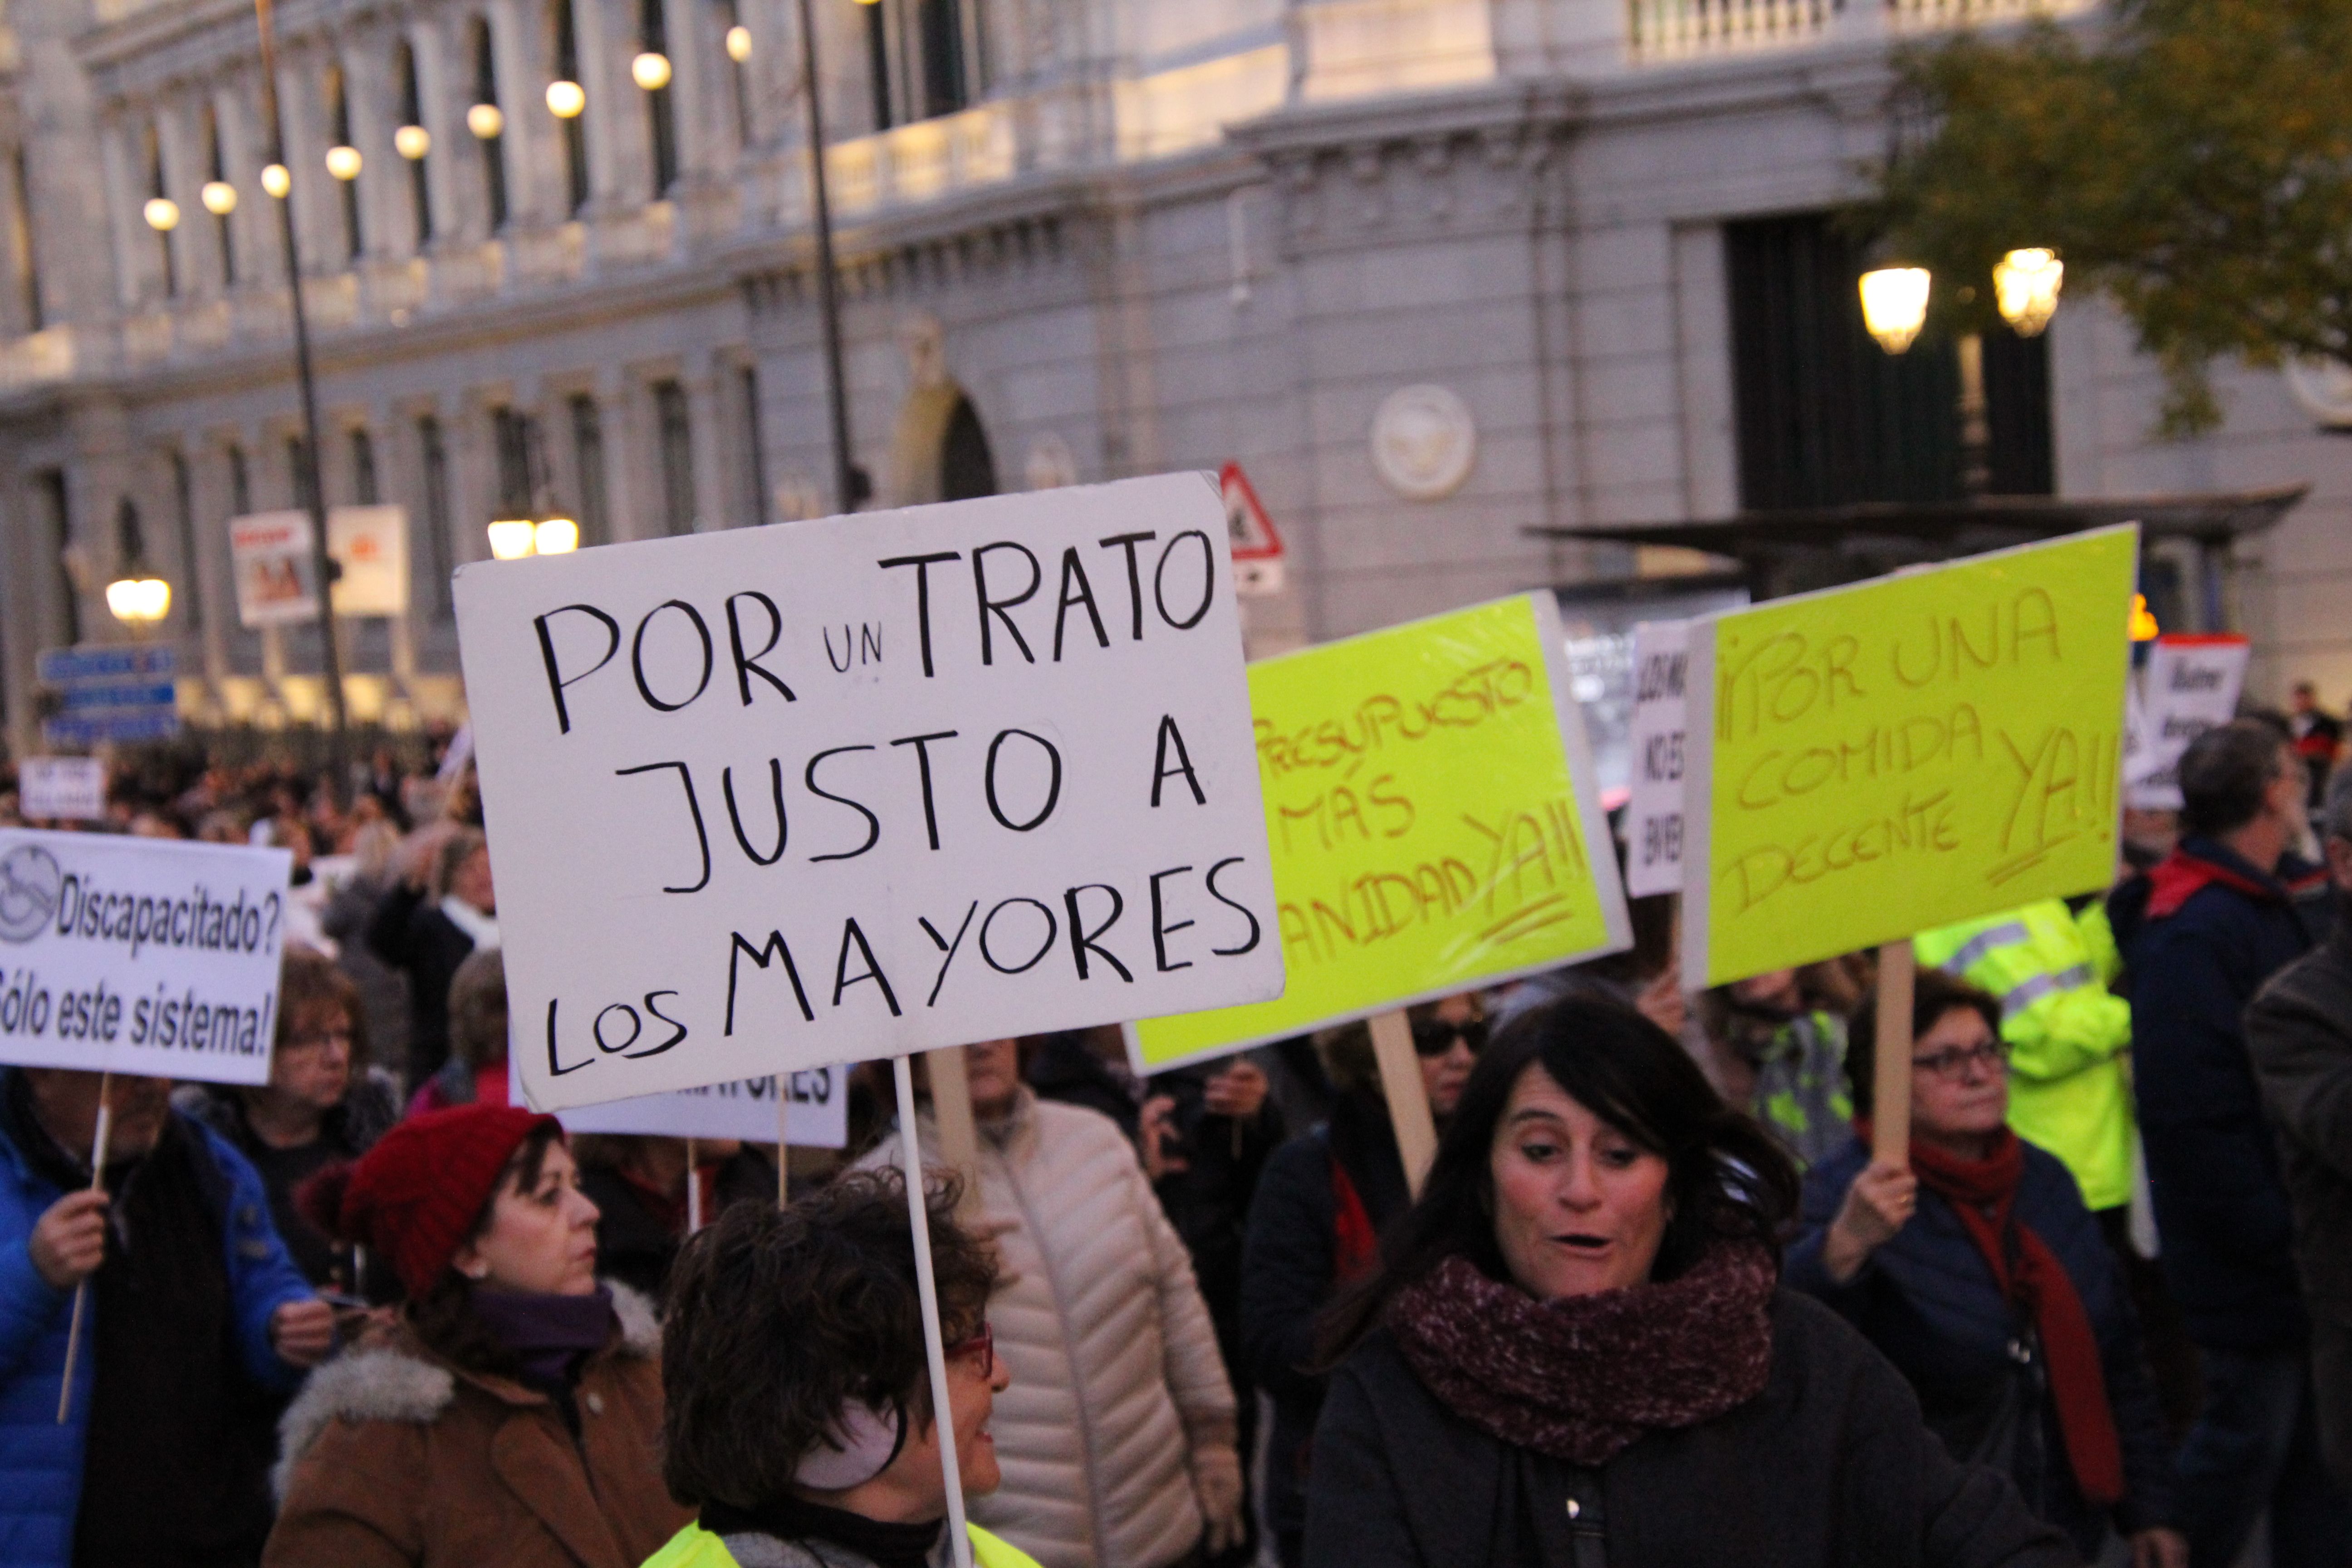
1953, 1062
1434, 1037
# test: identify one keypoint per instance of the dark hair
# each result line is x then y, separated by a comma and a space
2225, 773
1933, 993
1727, 1178
477, 1008
776, 1320
444, 1317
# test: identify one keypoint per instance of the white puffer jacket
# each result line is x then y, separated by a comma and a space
1116, 1374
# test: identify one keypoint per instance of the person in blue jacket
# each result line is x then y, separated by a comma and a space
196, 1323
1977, 1270
2229, 908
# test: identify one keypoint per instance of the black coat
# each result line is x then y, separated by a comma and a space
1927, 1299
1289, 1269
1828, 1467
2299, 1031
2213, 1166
413, 935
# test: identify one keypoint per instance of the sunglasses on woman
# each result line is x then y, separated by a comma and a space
1435, 1038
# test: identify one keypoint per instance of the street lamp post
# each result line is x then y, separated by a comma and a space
844, 473
2025, 290
322, 564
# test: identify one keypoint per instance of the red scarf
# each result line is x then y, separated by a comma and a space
1356, 1244
1982, 1193
1583, 1378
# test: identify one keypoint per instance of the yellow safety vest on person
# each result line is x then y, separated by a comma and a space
694, 1547
2067, 1032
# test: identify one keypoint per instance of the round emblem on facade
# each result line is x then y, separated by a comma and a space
2323, 387
1423, 442
30, 884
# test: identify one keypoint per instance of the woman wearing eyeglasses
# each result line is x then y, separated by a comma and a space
322, 1105
1979, 1273
1313, 1228
798, 1414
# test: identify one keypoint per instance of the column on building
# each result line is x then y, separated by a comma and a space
244, 146
385, 223
534, 173
211, 571
179, 141
22, 615
302, 111
693, 89
603, 39
444, 93
705, 412
131, 241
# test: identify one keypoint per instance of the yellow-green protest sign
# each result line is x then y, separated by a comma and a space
1867, 762
1432, 819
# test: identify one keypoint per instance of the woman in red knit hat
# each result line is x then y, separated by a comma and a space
511, 1415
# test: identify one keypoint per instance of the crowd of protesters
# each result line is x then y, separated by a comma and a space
1655, 1296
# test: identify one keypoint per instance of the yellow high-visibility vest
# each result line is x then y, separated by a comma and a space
694, 1547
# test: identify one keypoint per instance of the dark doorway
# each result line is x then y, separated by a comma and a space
966, 470
1826, 417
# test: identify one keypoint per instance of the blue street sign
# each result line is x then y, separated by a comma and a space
122, 729
126, 699
77, 666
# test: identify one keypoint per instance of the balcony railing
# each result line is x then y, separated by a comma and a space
1661, 30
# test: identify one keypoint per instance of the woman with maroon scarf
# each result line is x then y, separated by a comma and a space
1576, 1354
1980, 1274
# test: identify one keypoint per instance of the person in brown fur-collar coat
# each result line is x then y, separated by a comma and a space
512, 1415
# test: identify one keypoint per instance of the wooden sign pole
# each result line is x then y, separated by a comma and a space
910, 1159
1890, 1107
952, 1113
1408, 1095
82, 1292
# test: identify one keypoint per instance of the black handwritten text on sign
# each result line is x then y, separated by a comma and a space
779, 797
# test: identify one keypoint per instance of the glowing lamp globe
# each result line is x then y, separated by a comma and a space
343, 163
162, 214
739, 43
276, 180
1894, 305
2025, 284
556, 536
219, 198
650, 70
412, 141
485, 121
138, 601
565, 99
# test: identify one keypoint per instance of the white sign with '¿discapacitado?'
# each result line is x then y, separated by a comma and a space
776, 798
140, 955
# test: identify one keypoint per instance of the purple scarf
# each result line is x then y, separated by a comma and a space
550, 1335
1581, 1379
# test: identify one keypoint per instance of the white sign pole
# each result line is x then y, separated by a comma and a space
911, 1160
693, 1189
82, 1290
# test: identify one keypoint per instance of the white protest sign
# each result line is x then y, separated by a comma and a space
816, 1111
2191, 684
371, 544
1654, 816
776, 798
140, 955
62, 788
270, 554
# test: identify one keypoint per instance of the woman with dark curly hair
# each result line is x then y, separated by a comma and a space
511, 1414
799, 1416
1575, 1351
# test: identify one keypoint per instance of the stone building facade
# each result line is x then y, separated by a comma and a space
1432, 270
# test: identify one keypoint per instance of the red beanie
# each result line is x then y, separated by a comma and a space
415, 1197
